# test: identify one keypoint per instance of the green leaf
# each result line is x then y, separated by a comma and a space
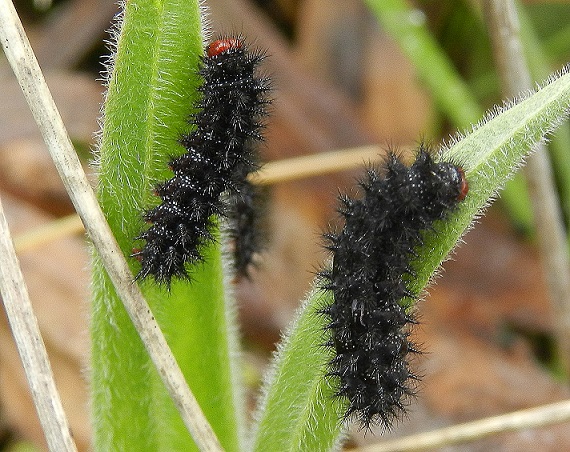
150, 95
297, 411
560, 143
407, 26
492, 152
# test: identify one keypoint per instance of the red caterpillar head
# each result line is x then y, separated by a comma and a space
222, 45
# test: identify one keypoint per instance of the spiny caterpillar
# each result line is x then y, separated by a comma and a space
220, 153
367, 322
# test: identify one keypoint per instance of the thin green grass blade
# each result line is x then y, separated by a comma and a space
297, 408
150, 94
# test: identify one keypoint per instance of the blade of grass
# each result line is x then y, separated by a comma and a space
150, 94
489, 155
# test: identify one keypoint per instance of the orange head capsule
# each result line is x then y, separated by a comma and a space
222, 45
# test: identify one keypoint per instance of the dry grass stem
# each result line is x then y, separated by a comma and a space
554, 413
31, 346
315, 164
49, 232
271, 173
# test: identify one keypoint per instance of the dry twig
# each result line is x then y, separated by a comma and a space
31, 346
519, 420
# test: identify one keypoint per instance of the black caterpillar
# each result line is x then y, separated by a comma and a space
220, 153
368, 324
